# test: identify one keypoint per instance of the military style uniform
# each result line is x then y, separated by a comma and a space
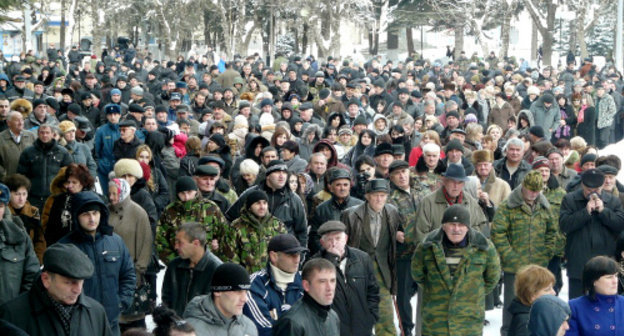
455, 300
407, 203
245, 241
177, 213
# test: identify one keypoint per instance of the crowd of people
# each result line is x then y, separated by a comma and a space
308, 197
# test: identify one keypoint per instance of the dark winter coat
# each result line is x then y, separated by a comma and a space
126, 150
33, 312
328, 210
307, 317
182, 283
19, 265
114, 280
589, 235
356, 300
519, 318
587, 128
40, 163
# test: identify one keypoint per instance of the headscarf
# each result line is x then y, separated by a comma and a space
123, 188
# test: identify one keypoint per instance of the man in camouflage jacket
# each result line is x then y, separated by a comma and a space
406, 199
455, 267
245, 241
190, 207
524, 232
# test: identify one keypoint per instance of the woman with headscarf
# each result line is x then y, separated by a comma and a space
130, 222
216, 145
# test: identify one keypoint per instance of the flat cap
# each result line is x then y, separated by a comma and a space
592, 178
331, 226
67, 260
375, 185
338, 174
206, 170
397, 164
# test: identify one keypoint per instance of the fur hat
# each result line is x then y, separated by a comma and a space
533, 90
483, 155
22, 106
249, 166
67, 126
128, 167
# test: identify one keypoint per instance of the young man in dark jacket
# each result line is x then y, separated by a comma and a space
55, 304
312, 315
113, 283
189, 274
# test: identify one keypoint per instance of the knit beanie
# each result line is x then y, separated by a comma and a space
255, 196
185, 183
230, 277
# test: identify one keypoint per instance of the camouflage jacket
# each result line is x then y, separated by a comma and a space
432, 180
245, 240
407, 203
456, 306
523, 235
177, 213
555, 197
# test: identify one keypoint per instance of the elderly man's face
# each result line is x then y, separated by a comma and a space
455, 232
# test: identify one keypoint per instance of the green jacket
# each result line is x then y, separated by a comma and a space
407, 203
245, 240
555, 197
455, 307
523, 236
177, 213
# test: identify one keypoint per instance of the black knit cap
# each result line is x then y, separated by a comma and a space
230, 277
185, 183
255, 196
456, 213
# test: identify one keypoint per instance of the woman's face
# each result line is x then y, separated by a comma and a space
293, 183
70, 136
607, 284
335, 122
280, 139
366, 139
131, 179
425, 140
73, 185
548, 290
286, 114
524, 123
144, 157
418, 124
113, 195
561, 101
380, 124
495, 133
249, 178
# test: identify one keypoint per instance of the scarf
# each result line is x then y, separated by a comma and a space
450, 201
64, 312
123, 188
282, 279
581, 114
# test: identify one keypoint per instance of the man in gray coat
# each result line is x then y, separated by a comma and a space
221, 312
546, 113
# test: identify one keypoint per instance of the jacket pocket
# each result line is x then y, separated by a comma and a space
12, 256
111, 264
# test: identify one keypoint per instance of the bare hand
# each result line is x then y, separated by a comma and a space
483, 196
321, 102
599, 205
562, 122
400, 237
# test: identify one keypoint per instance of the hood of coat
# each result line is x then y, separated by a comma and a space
57, 186
547, 314
84, 198
250, 146
333, 161
203, 309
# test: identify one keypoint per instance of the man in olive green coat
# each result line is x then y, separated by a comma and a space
455, 267
524, 232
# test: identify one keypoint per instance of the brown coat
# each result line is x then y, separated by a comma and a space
497, 189
130, 222
10, 151
499, 114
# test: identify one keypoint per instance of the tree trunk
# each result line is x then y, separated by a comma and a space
580, 30
304, 39
533, 42
63, 28
459, 40
410, 41
505, 29
97, 32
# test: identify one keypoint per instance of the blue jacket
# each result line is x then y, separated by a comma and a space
114, 270
603, 316
105, 137
266, 302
